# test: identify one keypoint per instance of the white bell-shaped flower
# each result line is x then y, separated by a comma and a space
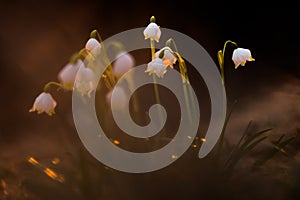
123, 63
119, 100
157, 66
68, 74
152, 31
168, 57
85, 81
92, 44
44, 103
240, 56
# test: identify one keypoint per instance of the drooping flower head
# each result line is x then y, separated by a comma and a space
168, 57
68, 74
157, 66
120, 98
123, 64
152, 31
44, 103
85, 81
92, 44
240, 56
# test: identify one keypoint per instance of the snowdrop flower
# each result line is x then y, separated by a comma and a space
91, 44
120, 98
68, 74
157, 66
240, 56
85, 80
44, 103
123, 63
168, 57
152, 31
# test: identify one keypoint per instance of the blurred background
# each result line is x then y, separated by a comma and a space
37, 40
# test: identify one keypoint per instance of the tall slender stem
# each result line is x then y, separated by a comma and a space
185, 80
221, 55
109, 72
152, 45
156, 92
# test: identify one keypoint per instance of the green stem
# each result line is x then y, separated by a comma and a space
156, 92
187, 103
185, 80
134, 97
228, 41
107, 62
47, 87
116, 45
157, 97
152, 45
221, 55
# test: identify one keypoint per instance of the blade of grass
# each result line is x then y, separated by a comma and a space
238, 144
223, 130
240, 149
253, 137
277, 147
242, 153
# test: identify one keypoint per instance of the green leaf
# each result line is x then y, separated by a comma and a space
221, 59
277, 147
224, 128
253, 137
235, 149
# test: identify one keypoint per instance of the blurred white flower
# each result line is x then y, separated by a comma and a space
157, 66
44, 103
85, 81
152, 31
120, 98
68, 74
168, 57
240, 56
123, 63
93, 45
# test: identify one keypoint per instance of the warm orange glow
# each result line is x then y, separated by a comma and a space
174, 156
49, 172
116, 142
4, 187
194, 145
33, 161
203, 139
54, 175
55, 161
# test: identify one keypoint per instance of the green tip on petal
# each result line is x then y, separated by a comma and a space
161, 54
94, 34
169, 42
152, 19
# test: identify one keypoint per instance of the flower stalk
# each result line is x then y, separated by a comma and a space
221, 55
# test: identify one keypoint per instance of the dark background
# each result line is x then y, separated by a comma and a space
37, 39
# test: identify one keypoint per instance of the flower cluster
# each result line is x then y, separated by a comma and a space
80, 72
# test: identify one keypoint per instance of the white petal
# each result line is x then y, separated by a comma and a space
92, 43
123, 63
157, 67
85, 80
152, 31
68, 74
168, 58
240, 56
44, 103
119, 100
